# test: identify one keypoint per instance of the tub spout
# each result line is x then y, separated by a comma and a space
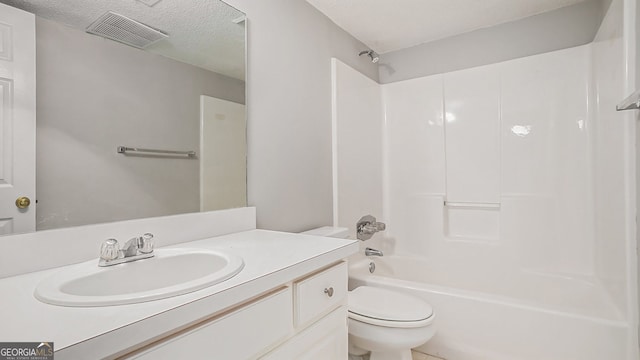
372, 252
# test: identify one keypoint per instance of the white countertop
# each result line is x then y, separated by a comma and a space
271, 259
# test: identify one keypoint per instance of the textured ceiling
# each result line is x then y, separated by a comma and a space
386, 25
201, 32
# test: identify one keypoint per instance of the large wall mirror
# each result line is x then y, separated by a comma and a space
184, 92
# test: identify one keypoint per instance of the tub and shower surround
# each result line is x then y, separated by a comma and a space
498, 194
502, 180
503, 188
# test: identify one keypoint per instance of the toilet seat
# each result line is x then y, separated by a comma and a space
388, 308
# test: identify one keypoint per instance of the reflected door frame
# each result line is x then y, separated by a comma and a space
223, 154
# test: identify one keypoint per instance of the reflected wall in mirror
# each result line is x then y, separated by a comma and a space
95, 94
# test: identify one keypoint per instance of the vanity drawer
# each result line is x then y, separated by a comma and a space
245, 333
320, 293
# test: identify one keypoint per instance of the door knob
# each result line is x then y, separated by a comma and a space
23, 202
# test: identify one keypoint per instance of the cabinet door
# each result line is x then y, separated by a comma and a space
312, 297
243, 334
326, 339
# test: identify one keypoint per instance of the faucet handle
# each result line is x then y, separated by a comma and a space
145, 243
109, 250
367, 226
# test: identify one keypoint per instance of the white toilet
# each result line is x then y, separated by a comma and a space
387, 323
384, 322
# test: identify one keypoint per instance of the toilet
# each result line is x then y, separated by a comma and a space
386, 323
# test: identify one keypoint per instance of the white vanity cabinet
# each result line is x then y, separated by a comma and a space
288, 301
241, 334
320, 306
325, 339
303, 319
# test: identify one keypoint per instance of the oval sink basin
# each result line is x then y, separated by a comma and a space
170, 272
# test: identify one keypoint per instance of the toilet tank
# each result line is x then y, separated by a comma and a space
329, 231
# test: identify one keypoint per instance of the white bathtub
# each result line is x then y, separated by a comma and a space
528, 316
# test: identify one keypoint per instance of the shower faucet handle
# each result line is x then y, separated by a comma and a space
367, 226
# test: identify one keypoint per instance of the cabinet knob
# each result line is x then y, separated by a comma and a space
329, 291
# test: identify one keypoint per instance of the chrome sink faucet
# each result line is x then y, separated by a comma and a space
372, 252
136, 248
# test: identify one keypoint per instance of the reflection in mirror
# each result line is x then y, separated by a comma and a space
185, 92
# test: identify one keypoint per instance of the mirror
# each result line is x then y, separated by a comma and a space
185, 92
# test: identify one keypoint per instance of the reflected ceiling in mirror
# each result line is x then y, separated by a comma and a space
206, 33
94, 95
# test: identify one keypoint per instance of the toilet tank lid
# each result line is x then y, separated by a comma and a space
329, 231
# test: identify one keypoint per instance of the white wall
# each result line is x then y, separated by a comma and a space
635, 67
525, 122
559, 29
415, 185
610, 154
357, 147
507, 144
615, 134
290, 48
95, 94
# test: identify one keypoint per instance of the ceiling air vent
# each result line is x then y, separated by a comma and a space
127, 31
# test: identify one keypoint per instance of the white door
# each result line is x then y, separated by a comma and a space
223, 154
17, 119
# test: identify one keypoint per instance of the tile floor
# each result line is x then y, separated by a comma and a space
416, 356
420, 356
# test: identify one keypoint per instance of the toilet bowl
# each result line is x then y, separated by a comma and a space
387, 323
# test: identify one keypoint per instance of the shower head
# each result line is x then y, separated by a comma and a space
372, 54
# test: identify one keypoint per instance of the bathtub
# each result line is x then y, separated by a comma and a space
504, 316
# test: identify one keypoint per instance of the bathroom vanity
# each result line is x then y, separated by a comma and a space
289, 301
300, 318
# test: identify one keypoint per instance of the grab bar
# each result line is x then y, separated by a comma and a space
472, 205
126, 149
